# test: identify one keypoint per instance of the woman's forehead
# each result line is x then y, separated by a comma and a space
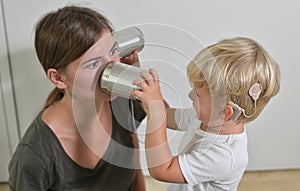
101, 48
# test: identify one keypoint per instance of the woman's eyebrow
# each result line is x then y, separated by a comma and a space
89, 60
101, 57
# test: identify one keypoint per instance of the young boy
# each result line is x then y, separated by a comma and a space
232, 82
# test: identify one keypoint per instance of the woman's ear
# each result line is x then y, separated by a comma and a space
56, 78
228, 112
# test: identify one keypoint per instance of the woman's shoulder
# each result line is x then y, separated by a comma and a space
37, 138
31, 160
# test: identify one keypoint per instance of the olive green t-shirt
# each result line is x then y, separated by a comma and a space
41, 164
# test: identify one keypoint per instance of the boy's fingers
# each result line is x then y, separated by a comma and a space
154, 74
136, 94
137, 81
147, 76
143, 85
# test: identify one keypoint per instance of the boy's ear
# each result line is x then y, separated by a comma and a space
228, 112
56, 78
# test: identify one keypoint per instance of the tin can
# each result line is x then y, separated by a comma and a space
128, 40
117, 79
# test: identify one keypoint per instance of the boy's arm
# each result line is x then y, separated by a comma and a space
171, 123
161, 164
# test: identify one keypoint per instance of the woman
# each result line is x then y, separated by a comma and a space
83, 138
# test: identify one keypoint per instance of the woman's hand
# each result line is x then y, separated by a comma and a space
132, 59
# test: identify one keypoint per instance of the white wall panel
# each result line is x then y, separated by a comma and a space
4, 145
8, 122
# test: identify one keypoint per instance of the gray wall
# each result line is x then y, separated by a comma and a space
175, 31
9, 134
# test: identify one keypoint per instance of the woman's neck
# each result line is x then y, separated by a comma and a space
85, 108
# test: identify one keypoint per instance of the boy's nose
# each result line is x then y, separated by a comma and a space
192, 94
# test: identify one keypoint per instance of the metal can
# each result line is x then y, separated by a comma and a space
128, 40
117, 78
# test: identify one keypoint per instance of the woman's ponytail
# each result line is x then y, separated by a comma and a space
53, 97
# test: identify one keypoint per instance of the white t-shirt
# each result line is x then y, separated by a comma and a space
209, 162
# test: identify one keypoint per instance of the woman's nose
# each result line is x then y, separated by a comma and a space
115, 58
112, 58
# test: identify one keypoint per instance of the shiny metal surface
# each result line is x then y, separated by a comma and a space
128, 40
117, 79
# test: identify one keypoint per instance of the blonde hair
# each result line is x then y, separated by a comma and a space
230, 67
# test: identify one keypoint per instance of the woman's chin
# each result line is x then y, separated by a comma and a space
105, 96
112, 97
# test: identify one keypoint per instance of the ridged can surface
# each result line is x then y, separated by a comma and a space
117, 79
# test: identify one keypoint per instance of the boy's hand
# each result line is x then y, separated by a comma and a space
150, 89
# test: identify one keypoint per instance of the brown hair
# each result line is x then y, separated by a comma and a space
61, 37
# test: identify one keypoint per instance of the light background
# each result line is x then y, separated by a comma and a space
174, 32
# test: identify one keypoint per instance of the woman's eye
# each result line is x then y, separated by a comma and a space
113, 52
93, 64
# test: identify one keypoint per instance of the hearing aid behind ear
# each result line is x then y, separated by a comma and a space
237, 111
254, 92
